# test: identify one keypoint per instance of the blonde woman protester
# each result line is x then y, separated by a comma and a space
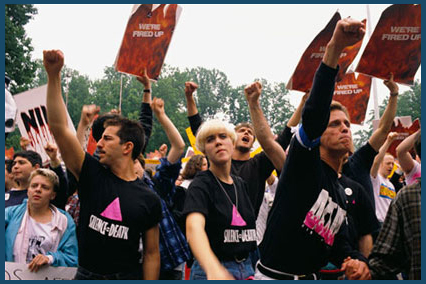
37, 232
220, 222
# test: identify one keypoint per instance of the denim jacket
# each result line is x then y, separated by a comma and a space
63, 231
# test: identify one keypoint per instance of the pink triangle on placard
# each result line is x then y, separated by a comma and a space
237, 220
113, 211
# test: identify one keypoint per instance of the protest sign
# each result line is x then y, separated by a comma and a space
403, 132
147, 38
302, 77
354, 93
19, 271
32, 120
395, 45
404, 127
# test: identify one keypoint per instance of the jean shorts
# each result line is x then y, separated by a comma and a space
240, 270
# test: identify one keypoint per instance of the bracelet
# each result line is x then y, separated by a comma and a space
147, 91
394, 95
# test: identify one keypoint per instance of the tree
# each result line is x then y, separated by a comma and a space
18, 64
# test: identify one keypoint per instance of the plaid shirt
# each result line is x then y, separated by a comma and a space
398, 246
174, 248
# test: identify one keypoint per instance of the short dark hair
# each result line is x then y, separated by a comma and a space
98, 125
9, 165
33, 157
130, 131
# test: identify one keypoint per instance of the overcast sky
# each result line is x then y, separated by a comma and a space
243, 41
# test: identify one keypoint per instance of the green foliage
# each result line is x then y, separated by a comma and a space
18, 64
215, 97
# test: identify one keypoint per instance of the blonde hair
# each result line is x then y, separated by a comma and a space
47, 173
212, 127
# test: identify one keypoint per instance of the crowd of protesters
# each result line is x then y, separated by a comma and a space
306, 207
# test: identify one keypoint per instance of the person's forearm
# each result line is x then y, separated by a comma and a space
332, 54
365, 244
297, 115
265, 137
403, 152
191, 106
379, 158
200, 247
146, 98
386, 121
56, 109
82, 134
408, 143
316, 112
175, 139
151, 266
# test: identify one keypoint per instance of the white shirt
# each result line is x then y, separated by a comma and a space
384, 193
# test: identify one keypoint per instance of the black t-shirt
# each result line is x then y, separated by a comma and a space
362, 218
113, 215
227, 233
254, 171
358, 168
306, 226
15, 197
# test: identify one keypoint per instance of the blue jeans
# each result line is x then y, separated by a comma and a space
240, 271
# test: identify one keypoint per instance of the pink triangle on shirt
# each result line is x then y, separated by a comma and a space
113, 211
237, 220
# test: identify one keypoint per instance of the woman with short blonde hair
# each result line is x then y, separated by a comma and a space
220, 220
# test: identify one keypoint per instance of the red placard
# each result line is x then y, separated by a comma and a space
395, 45
302, 77
354, 93
403, 132
147, 38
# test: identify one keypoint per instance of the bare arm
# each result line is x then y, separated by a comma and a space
200, 247
263, 132
382, 151
175, 139
144, 79
71, 151
379, 136
151, 254
88, 113
297, 114
403, 152
365, 244
190, 88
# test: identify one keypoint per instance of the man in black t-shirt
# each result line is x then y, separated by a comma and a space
116, 208
306, 226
